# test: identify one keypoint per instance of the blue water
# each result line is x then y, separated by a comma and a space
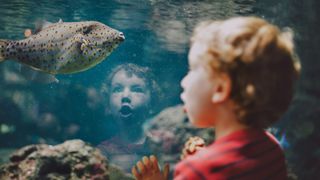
157, 35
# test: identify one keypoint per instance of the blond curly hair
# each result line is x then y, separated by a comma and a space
260, 61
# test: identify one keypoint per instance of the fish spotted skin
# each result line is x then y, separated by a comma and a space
63, 47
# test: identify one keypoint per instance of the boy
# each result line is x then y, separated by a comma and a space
129, 91
240, 81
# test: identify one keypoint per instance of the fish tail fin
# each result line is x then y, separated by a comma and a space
3, 47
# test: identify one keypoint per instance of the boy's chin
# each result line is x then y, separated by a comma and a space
197, 123
133, 120
126, 116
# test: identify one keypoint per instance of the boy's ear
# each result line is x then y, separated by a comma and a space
222, 89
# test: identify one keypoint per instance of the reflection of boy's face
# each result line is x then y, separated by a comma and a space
129, 97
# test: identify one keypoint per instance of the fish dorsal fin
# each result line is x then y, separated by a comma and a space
42, 24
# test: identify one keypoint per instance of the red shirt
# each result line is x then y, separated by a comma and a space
245, 154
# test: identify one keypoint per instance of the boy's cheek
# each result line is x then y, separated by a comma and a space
115, 103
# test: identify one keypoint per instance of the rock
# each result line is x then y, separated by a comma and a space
117, 174
73, 159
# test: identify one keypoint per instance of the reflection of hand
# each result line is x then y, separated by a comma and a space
193, 145
148, 169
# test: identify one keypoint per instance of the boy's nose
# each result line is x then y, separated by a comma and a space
126, 92
126, 100
126, 96
183, 82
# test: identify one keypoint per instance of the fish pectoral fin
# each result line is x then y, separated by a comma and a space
85, 45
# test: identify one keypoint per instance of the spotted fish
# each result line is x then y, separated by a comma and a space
63, 47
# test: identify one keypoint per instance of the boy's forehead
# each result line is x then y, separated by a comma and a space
124, 73
199, 57
196, 54
124, 77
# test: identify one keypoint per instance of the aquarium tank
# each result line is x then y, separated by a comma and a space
124, 100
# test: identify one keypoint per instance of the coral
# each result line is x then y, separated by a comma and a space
73, 159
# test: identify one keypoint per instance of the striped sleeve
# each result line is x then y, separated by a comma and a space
247, 155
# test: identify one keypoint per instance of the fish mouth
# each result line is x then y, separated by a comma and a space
126, 111
121, 37
111, 41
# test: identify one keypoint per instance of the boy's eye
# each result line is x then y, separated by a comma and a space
137, 89
117, 89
